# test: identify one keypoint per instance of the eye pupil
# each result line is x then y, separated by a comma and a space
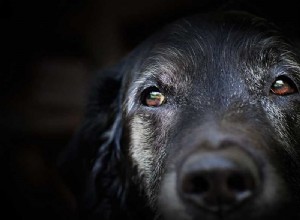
283, 86
152, 97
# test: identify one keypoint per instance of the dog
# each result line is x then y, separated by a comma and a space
201, 121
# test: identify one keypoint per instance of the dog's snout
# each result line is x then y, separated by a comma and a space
218, 181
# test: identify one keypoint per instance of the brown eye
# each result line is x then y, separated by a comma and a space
283, 86
152, 97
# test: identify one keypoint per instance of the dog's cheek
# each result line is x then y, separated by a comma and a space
148, 138
278, 120
285, 122
140, 150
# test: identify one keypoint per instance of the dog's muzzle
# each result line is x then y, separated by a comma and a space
218, 180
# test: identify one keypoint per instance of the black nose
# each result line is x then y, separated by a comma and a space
218, 181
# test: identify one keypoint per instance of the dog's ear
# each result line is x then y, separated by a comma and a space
96, 144
103, 133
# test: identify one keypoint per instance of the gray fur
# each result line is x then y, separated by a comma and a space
216, 73
240, 67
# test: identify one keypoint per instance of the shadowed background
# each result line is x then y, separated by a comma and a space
50, 51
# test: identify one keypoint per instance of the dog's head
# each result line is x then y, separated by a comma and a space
203, 119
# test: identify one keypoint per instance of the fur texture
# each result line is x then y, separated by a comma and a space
216, 73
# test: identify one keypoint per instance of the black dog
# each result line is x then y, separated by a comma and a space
202, 121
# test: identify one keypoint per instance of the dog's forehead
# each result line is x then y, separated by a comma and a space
197, 47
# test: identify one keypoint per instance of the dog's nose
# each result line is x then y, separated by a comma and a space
218, 181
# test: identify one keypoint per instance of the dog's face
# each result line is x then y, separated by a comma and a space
212, 113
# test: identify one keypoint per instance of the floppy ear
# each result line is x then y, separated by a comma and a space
105, 125
94, 152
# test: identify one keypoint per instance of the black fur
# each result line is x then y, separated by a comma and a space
98, 165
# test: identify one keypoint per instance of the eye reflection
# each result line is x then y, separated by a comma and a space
152, 97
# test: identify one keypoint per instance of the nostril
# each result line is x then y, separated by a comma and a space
217, 181
236, 182
241, 185
195, 184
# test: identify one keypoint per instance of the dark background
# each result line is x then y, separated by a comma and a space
50, 51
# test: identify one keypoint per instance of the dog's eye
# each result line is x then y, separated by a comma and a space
283, 86
152, 97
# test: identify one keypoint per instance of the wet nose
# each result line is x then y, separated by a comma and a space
218, 181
